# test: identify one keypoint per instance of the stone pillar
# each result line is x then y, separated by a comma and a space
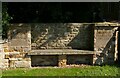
116, 46
19, 44
94, 55
62, 61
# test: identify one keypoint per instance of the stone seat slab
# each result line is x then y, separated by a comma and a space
59, 52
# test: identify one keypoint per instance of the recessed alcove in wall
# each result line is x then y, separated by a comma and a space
63, 36
79, 59
44, 60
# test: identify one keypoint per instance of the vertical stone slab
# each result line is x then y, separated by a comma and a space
95, 32
94, 56
62, 61
116, 46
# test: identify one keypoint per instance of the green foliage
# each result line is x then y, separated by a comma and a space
5, 16
5, 20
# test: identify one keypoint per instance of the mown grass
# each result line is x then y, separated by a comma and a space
74, 71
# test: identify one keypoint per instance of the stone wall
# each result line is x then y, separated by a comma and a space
18, 45
62, 36
87, 38
105, 38
19, 37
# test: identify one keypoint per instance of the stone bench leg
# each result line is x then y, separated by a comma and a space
62, 60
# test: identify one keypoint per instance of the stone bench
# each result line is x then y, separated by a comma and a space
62, 57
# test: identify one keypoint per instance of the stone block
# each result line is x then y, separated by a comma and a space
4, 63
7, 56
2, 55
13, 59
6, 50
22, 63
14, 53
62, 61
11, 63
43, 47
27, 59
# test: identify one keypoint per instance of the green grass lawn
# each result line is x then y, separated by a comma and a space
73, 71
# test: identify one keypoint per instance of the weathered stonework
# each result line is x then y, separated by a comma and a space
18, 45
4, 63
62, 61
105, 38
19, 37
65, 57
58, 44
62, 36
22, 63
